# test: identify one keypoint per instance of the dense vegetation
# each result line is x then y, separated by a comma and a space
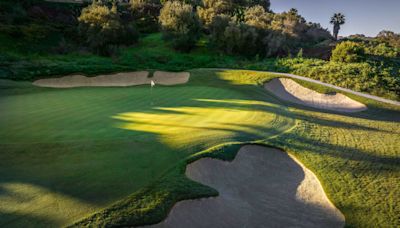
42, 39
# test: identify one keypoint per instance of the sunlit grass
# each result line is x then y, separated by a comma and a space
31, 202
179, 126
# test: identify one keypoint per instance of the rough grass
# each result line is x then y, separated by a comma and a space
355, 156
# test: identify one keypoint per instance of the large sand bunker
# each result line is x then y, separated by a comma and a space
262, 187
119, 79
289, 90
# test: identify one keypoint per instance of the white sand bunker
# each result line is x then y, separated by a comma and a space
262, 187
289, 90
171, 78
119, 79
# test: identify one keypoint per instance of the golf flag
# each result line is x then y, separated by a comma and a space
152, 83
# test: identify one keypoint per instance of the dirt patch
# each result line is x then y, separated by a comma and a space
119, 79
261, 187
289, 90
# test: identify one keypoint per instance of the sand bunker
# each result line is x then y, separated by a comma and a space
289, 90
119, 79
262, 187
171, 78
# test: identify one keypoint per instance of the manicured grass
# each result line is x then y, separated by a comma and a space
68, 153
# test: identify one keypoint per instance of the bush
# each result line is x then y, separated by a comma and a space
348, 52
363, 77
180, 25
381, 49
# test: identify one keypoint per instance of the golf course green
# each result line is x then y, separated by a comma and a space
117, 155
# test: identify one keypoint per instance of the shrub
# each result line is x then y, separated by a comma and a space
381, 49
363, 77
180, 25
348, 52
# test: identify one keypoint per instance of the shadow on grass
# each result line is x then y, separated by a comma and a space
62, 172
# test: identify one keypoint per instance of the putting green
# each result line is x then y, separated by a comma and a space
67, 153
117, 156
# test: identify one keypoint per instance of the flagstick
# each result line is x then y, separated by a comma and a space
151, 95
151, 92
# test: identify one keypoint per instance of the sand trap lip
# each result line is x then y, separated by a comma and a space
262, 187
289, 90
119, 79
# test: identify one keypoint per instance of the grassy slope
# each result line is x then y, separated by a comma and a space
68, 153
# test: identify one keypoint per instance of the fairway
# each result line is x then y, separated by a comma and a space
117, 155
67, 153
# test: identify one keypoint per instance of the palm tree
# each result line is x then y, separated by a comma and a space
337, 20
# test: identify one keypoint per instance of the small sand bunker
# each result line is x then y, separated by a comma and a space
289, 90
171, 78
119, 79
262, 187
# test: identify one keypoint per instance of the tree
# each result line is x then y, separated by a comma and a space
240, 38
146, 14
337, 20
180, 25
389, 37
348, 52
257, 17
264, 3
217, 30
210, 9
102, 28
